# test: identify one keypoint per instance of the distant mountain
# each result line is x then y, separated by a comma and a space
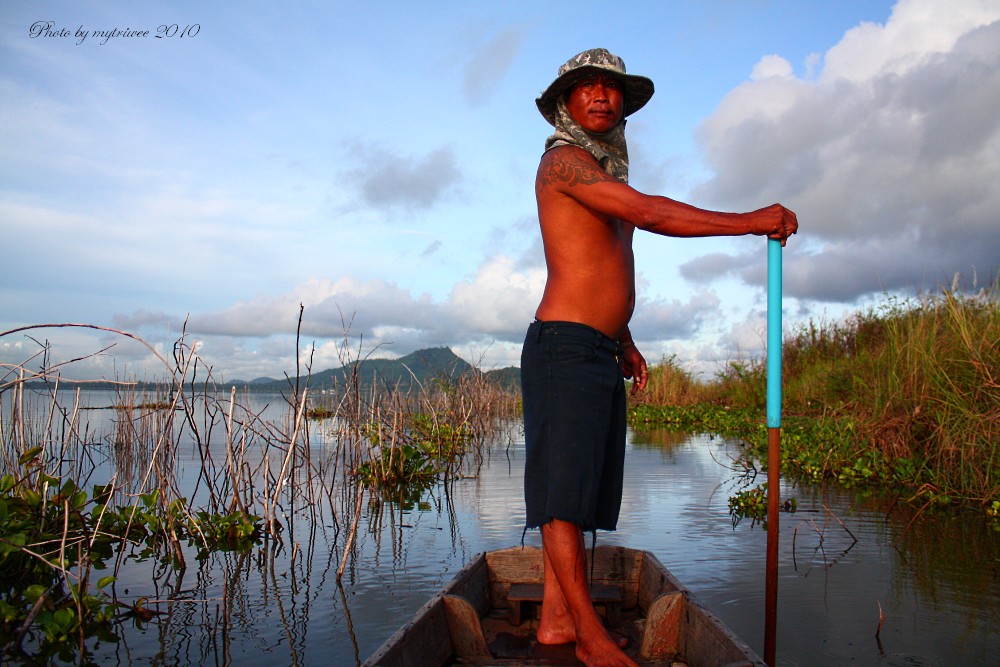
508, 378
405, 373
415, 369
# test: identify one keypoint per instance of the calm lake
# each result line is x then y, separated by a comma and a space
844, 556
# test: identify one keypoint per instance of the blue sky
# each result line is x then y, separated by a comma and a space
374, 163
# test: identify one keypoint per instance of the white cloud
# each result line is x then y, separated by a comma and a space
890, 157
771, 67
916, 30
499, 300
490, 61
494, 304
387, 180
661, 319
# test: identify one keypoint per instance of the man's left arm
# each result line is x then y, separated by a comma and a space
633, 363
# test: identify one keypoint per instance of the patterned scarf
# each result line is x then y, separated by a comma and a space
609, 148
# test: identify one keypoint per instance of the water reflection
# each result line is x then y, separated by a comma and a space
844, 556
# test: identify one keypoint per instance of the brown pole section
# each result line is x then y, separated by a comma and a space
771, 579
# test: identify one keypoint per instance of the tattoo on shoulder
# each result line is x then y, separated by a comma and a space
563, 166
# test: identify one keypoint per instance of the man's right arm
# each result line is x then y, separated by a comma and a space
574, 172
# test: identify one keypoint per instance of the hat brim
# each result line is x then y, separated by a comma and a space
637, 90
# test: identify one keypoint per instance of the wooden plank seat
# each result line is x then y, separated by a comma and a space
521, 597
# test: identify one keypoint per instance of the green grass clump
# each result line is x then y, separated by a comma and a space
903, 394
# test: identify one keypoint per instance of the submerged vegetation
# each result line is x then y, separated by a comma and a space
77, 504
903, 395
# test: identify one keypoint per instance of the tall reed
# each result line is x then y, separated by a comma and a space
910, 387
670, 383
931, 392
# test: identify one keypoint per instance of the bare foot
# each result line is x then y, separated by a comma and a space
602, 652
556, 637
561, 631
555, 627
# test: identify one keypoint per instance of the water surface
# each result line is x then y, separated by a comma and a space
844, 555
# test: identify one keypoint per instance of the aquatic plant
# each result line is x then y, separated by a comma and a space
54, 535
751, 503
903, 394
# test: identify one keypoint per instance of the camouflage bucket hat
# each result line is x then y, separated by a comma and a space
638, 89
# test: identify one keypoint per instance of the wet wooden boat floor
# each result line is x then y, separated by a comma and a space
517, 645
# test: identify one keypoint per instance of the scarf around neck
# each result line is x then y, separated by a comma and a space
609, 148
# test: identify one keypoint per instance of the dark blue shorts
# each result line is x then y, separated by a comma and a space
574, 425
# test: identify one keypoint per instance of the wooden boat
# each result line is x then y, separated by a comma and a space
485, 616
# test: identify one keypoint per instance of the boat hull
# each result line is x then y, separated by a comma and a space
476, 620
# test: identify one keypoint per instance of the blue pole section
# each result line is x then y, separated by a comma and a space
773, 333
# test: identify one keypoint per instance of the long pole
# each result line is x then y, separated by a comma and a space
773, 445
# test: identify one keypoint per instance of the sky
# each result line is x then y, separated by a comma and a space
211, 170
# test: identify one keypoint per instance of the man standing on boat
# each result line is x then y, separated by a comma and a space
579, 348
